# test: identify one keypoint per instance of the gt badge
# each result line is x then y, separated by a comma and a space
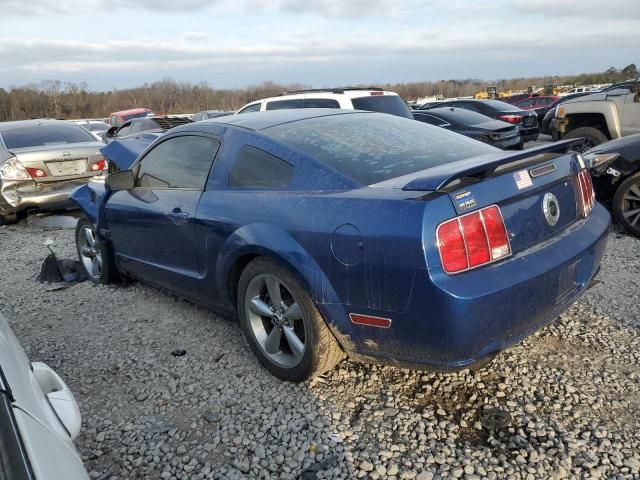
465, 200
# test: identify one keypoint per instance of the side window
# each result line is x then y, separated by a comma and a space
180, 162
321, 103
466, 106
285, 104
256, 168
251, 108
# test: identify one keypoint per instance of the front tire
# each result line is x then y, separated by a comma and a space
95, 256
282, 325
626, 204
592, 137
8, 219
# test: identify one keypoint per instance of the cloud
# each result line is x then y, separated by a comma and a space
610, 9
196, 36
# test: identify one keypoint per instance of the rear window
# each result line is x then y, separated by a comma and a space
392, 104
96, 127
372, 148
461, 116
501, 106
38, 136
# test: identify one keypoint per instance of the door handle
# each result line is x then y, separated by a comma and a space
178, 215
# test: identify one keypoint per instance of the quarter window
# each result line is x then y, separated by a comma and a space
180, 162
285, 104
256, 168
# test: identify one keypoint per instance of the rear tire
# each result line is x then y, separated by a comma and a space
287, 334
95, 257
8, 219
626, 204
592, 137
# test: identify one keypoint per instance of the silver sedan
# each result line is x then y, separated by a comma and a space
41, 161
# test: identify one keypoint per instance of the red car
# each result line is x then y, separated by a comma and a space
116, 119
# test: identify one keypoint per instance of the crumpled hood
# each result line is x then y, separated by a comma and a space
122, 153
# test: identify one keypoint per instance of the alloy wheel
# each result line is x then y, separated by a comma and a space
630, 206
89, 252
276, 320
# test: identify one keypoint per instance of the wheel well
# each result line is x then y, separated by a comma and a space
234, 275
594, 120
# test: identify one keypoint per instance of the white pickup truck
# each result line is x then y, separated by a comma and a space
612, 113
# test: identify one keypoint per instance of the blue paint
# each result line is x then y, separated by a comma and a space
359, 249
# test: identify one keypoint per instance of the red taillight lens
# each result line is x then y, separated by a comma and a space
98, 166
473, 240
377, 93
36, 172
586, 195
451, 245
511, 118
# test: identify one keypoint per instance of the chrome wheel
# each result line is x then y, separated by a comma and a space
89, 252
630, 207
276, 320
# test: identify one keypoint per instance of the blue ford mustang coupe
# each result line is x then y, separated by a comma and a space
333, 233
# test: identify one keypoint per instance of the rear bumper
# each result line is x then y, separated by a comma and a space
16, 196
455, 322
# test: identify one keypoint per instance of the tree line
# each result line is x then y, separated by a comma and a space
70, 100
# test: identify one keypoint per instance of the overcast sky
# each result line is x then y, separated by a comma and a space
233, 43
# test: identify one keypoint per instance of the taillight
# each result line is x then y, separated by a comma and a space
473, 240
36, 172
586, 196
98, 166
376, 92
511, 118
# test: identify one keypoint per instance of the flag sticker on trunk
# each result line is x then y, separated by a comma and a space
523, 179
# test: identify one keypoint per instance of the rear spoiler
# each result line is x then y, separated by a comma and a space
437, 178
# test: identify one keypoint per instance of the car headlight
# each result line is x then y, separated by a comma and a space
12, 169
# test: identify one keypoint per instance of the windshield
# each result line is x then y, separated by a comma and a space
38, 136
372, 148
392, 104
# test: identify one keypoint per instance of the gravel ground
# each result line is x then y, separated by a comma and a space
563, 404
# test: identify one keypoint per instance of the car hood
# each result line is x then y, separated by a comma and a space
627, 147
122, 153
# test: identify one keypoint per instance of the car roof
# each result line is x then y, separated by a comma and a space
33, 123
261, 120
328, 93
131, 111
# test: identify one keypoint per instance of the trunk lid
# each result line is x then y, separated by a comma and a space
60, 162
524, 185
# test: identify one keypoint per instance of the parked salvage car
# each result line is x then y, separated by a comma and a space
41, 161
39, 418
612, 113
525, 119
136, 126
615, 167
348, 98
474, 125
118, 118
332, 231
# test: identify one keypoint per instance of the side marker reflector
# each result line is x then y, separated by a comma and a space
370, 321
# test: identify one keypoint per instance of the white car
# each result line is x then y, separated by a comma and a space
351, 98
97, 128
39, 418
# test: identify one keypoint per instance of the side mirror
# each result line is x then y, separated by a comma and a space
111, 132
118, 181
